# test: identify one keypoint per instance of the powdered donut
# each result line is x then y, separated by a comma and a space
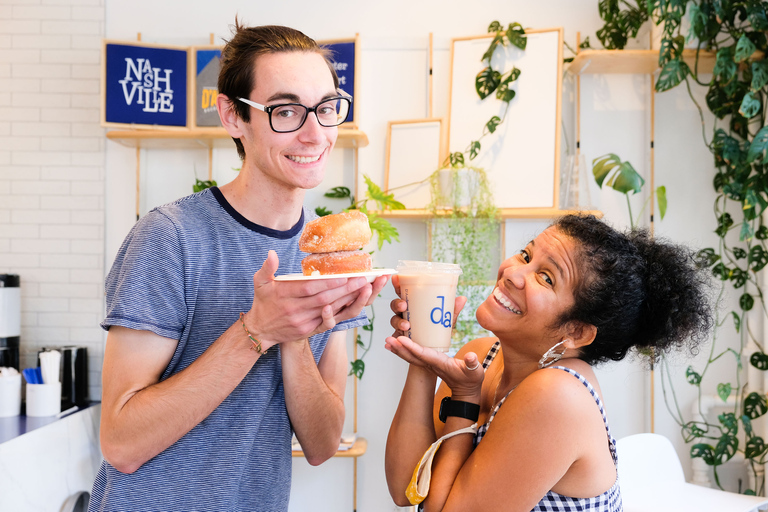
339, 262
346, 231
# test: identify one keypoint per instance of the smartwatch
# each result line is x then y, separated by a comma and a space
465, 410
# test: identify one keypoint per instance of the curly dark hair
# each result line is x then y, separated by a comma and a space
238, 58
640, 292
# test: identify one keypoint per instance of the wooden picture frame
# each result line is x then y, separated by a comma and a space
126, 101
204, 77
414, 151
522, 158
345, 54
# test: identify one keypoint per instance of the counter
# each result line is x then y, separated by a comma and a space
45, 461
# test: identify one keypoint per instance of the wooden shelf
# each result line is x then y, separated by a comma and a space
632, 61
205, 137
357, 449
505, 213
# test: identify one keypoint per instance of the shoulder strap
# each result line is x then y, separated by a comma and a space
611, 440
491, 354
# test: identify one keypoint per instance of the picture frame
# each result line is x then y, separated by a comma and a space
522, 158
345, 55
414, 151
144, 85
204, 73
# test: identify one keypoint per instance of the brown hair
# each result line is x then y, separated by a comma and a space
236, 78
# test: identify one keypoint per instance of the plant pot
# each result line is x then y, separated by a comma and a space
458, 194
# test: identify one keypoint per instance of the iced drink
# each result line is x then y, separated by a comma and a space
429, 288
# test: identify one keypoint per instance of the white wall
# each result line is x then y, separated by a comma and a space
394, 35
52, 172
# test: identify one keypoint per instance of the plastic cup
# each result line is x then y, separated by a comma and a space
429, 289
10, 396
44, 399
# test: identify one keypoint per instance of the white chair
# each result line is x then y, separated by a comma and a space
652, 480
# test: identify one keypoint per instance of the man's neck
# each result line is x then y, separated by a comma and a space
270, 206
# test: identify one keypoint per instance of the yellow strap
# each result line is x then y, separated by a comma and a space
418, 488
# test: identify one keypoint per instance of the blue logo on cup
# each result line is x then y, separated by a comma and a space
443, 316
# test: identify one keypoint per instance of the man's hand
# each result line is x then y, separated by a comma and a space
294, 310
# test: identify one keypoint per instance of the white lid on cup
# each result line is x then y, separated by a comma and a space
427, 267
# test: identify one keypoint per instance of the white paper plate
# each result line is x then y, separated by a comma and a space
370, 275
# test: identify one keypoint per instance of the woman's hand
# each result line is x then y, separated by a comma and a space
464, 376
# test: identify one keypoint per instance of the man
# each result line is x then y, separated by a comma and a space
209, 363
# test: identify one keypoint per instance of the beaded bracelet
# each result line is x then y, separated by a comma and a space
256, 343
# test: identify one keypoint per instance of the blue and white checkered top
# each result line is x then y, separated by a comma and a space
609, 501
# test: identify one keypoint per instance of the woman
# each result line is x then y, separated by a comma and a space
579, 294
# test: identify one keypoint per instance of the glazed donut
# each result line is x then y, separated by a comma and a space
339, 262
346, 231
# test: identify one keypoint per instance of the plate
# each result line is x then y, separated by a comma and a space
370, 275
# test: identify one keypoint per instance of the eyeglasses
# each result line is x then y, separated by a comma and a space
289, 117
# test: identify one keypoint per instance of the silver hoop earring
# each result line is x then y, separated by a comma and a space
550, 357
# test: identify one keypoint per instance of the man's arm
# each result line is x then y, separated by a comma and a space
141, 416
314, 395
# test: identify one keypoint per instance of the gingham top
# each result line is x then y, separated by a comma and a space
609, 501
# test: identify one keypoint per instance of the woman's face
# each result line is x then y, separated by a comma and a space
534, 287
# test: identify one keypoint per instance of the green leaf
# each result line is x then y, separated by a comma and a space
757, 147
692, 376
322, 211
516, 35
729, 422
201, 185
368, 327
457, 159
383, 200
724, 391
739, 253
759, 360
706, 257
486, 82
750, 105
338, 193
757, 16
495, 42
495, 26
755, 447
385, 231
746, 302
744, 49
755, 405
759, 75
738, 277
672, 74
725, 67
736, 321
746, 232
357, 368
758, 258
762, 233
474, 149
726, 448
661, 199
724, 223
705, 452
492, 124
620, 176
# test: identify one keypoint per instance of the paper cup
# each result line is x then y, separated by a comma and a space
10, 396
44, 399
429, 288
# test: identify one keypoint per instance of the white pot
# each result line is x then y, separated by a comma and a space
467, 187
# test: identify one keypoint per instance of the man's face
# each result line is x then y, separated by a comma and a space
296, 159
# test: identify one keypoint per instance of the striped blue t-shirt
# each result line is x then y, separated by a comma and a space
185, 271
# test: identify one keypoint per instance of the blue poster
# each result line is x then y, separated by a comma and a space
343, 57
146, 85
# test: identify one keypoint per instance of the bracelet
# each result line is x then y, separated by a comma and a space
256, 343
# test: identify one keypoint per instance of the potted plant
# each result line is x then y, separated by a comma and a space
735, 32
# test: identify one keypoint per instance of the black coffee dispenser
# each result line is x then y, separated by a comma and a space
74, 377
10, 320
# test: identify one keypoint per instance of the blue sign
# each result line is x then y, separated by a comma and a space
145, 85
343, 57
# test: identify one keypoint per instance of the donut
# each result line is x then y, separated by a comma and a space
339, 262
346, 231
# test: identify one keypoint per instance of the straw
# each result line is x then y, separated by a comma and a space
50, 361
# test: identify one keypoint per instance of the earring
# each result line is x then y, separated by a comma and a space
550, 357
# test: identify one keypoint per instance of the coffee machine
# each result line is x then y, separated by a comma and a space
10, 320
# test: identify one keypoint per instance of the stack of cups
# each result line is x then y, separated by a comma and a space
429, 288
10, 392
45, 399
